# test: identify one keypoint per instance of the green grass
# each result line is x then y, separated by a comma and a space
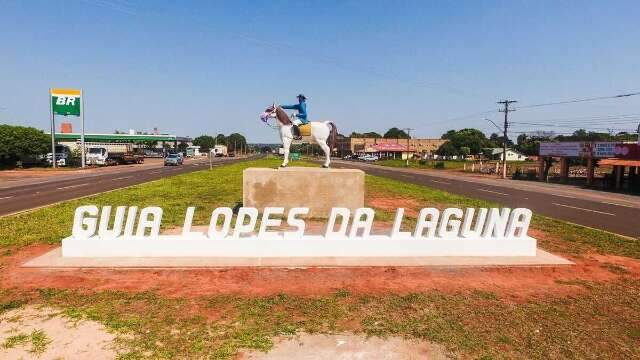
471, 324
565, 237
430, 164
222, 186
38, 340
474, 324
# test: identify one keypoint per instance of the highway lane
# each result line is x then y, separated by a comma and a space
51, 190
576, 207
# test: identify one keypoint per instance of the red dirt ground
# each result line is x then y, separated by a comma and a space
515, 283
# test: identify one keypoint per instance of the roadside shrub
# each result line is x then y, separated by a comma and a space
422, 162
439, 165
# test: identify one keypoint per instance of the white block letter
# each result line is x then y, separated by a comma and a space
362, 224
450, 228
299, 224
476, 232
397, 223
153, 225
103, 229
496, 223
344, 214
80, 221
518, 223
241, 227
213, 232
131, 221
188, 221
267, 222
424, 223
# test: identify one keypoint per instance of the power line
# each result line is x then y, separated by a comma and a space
581, 100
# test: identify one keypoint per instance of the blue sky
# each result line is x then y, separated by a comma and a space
191, 68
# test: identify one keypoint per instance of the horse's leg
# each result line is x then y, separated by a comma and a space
286, 144
327, 151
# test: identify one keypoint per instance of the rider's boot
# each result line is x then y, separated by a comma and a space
296, 133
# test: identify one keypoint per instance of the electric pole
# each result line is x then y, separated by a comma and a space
408, 131
506, 110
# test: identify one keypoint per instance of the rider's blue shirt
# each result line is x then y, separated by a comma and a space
302, 110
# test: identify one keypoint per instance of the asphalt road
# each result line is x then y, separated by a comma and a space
575, 205
20, 197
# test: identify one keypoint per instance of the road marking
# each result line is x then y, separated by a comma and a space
623, 205
407, 176
155, 172
6, 197
583, 209
124, 177
72, 186
440, 182
494, 192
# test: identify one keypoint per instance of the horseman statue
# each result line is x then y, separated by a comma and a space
298, 127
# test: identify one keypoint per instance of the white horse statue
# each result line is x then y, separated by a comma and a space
322, 133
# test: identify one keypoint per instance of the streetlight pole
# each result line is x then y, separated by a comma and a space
408, 131
53, 132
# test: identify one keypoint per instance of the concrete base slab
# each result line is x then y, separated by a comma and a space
54, 259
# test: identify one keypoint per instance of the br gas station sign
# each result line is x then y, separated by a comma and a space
65, 102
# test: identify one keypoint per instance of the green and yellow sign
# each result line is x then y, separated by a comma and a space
65, 102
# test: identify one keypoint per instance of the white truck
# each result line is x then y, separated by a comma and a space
219, 150
63, 156
112, 154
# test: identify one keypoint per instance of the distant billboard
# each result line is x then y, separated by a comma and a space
599, 149
569, 149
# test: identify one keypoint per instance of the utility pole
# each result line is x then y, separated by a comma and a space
506, 110
408, 131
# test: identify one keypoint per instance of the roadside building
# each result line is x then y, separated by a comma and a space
151, 143
394, 148
496, 154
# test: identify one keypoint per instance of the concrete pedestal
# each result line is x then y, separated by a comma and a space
316, 188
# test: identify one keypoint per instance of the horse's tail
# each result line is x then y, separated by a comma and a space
333, 136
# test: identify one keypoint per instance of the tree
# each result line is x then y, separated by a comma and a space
182, 146
236, 141
205, 142
464, 151
371, 134
17, 141
474, 139
221, 139
447, 149
530, 145
395, 133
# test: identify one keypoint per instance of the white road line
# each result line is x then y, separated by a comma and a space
407, 176
583, 209
6, 197
122, 178
440, 182
615, 204
494, 192
155, 172
72, 186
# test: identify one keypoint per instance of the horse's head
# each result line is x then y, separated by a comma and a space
275, 111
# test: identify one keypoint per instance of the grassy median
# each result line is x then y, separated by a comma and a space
600, 321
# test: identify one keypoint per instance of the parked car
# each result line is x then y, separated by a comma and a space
369, 158
173, 159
